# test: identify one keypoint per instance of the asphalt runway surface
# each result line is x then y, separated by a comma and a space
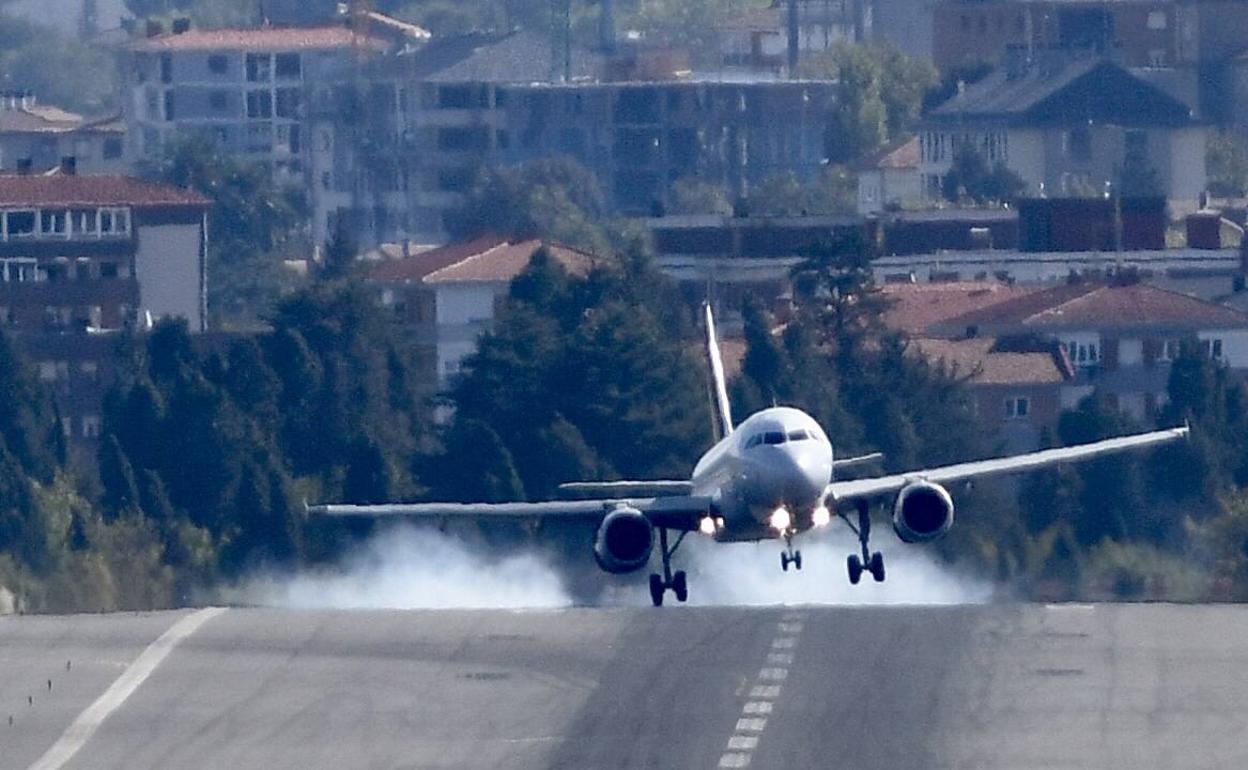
992, 686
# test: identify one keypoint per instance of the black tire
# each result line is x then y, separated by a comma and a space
656, 590
784, 561
797, 559
855, 568
680, 586
877, 566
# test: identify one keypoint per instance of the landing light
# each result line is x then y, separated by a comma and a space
821, 517
781, 520
707, 525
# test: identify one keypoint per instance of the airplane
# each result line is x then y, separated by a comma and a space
769, 478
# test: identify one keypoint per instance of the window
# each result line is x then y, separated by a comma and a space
1217, 350
108, 270
286, 65
114, 221
259, 67
1083, 353
169, 106
288, 102
91, 426
259, 104
798, 435
53, 222
20, 224
112, 149
217, 101
218, 64
1016, 408
754, 441
20, 270
773, 437
1080, 143
166, 68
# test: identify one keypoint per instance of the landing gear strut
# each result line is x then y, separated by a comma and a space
789, 555
677, 581
870, 562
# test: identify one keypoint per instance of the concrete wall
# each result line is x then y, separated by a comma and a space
168, 267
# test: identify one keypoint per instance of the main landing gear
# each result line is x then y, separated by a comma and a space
871, 562
789, 555
677, 582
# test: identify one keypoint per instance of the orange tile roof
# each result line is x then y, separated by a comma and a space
101, 190
257, 39
1100, 306
981, 363
915, 308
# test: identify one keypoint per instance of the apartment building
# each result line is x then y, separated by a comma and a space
81, 257
38, 137
320, 105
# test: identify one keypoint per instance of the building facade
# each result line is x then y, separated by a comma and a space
38, 137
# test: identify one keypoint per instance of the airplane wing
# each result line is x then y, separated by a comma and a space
614, 489
854, 462
676, 512
881, 485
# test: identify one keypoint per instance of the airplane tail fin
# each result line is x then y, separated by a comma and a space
719, 386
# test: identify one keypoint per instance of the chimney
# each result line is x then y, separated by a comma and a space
181, 24
794, 38
154, 28
69, 165
25, 166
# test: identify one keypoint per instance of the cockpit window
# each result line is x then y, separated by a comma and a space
773, 437
798, 435
754, 440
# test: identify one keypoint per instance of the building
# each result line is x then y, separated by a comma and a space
39, 137
759, 39
320, 105
1120, 338
448, 297
889, 180
1079, 128
83, 256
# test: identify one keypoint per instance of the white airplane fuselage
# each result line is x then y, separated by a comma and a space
778, 459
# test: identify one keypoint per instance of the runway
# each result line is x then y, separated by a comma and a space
991, 686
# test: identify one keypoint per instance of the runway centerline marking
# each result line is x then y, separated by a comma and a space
82, 728
754, 713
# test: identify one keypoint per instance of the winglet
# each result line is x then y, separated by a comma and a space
720, 405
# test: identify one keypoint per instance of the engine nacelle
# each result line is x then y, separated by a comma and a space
923, 512
624, 541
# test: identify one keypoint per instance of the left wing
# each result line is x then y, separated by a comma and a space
848, 490
677, 512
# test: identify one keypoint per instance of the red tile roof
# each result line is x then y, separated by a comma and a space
258, 39
896, 156
978, 361
1099, 306
73, 190
914, 308
486, 259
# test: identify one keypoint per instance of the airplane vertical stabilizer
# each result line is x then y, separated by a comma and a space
719, 386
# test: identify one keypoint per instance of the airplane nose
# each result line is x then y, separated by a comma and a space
794, 477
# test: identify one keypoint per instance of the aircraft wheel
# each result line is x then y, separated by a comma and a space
797, 559
656, 590
877, 566
784, 561
680, 586
855, 568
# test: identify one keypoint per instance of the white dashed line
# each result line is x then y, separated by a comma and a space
779, 658
751, 724
742, 742
773, 674
757, 707
789, 628
783, 643
734, 759
765, 691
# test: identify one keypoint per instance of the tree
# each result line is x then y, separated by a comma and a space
1226, 163
971, 177
691, 196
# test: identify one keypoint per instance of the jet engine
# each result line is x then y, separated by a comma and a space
923, 512
624, 540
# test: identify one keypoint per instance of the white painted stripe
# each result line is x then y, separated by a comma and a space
791, 616
751, 724
765, 691
78, 733
742, 742
789, 628
773, 674
784, 643
757, 707
734, 760
1076, 607
779, 658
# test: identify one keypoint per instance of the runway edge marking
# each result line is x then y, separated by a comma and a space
82, 728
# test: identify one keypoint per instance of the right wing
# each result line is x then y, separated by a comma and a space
854, 462
676, 512
858, 488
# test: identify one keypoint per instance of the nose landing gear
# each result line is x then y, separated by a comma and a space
870, 562
790, 555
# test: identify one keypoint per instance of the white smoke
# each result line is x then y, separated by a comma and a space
409, 568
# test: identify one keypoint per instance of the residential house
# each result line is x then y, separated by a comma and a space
320, 105
449, 296
1083, 127
1120, 338
38, 137
889, 179
84, 256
